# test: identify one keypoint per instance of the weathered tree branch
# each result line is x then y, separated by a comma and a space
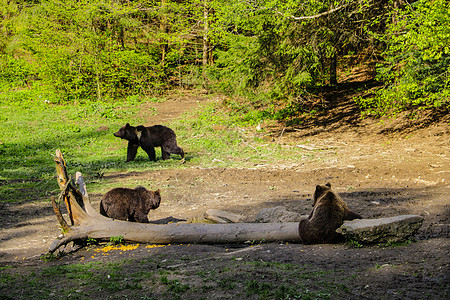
314, 16
59, 216
88, 223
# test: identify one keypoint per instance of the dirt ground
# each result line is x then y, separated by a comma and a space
380, 169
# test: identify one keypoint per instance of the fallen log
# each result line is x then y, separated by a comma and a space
86, 222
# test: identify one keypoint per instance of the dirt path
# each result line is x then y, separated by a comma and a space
378, 175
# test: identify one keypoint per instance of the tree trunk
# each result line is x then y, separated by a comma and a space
97, 77
333, 71
88, 223
205, 42
164, 29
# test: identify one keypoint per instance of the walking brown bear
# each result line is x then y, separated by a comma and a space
129, 204
328, 214
148, 138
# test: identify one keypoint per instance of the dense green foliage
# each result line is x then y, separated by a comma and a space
82, 49
270, 51
417, 65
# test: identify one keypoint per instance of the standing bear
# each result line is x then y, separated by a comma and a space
328, 214
129, 204
148, 138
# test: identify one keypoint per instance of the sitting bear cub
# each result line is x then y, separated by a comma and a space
328, 214
129, 204
148, 138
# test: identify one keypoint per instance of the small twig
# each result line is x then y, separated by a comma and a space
278, 141
254, 148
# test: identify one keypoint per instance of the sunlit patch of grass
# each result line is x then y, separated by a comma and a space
215, 139
32, 131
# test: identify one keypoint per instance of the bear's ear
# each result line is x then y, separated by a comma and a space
321, 189
158, 192
127, 125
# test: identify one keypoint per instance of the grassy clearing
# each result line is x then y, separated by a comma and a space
32, 130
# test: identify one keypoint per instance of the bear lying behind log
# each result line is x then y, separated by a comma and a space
129, 204
328, 214
148, 138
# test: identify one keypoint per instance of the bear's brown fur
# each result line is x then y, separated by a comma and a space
148, 138
328, 214
129, 204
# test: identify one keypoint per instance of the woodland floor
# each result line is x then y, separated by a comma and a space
380, 169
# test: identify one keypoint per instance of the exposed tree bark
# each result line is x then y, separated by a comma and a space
122, 37
62, 222
87, 222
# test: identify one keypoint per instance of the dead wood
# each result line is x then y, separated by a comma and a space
59, 216
86, 222
220, 216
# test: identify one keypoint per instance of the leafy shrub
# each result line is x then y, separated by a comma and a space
417, 66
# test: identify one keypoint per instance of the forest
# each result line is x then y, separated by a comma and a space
273, 54
268, 99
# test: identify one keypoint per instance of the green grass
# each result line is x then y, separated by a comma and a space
137, 278
33, 130
31, 133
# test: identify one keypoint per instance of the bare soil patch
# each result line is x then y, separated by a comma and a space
380, 169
